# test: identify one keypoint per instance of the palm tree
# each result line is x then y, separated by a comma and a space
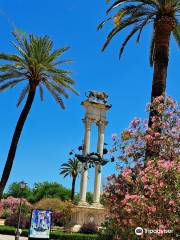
137, 14
71, 168
37, 66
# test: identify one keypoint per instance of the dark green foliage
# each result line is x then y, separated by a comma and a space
49, 190
89, 198
14, 190
135, 15
70, 168
73, 236
39, 191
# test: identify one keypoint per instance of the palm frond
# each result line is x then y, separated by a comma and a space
70, 168
10, 57
55, 94
10, 84
101, 25
127, 39
116, 30
41, 93
142, 26
23, 94
176, 34
60, 89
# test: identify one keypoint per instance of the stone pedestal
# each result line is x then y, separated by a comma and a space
82, 214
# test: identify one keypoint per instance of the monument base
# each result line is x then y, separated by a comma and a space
86, 214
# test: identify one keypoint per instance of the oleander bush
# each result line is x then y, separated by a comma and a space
11, 205
145, 192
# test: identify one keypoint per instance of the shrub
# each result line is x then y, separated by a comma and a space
145, 192
5, 213
53, 204
13, 221
58, 207
88, 228
11, 205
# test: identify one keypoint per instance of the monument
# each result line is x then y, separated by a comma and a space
96, 108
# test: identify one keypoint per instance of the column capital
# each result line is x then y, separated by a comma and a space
87, 122
101, 125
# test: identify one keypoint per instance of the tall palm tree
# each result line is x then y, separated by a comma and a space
71, 168
137, 14
37, 66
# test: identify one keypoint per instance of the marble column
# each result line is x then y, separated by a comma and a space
100, 147
84, 175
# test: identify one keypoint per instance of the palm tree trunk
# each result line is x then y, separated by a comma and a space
15, 140
73, 188
163, 28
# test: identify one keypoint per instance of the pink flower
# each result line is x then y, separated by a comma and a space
159, 99
172, 202
167, 165
170, 101
126, 173
148, 138
114, 135
144, 179
135, 122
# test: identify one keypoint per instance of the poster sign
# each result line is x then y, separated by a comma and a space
40, 224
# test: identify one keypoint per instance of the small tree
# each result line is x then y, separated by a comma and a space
71, 168
49, 190
16, 191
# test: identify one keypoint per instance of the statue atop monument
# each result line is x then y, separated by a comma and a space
99, 97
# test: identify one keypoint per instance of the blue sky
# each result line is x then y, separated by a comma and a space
50, 132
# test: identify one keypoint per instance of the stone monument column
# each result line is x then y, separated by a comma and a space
100, 146
84, 175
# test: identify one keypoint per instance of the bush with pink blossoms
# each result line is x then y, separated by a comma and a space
11, 205
145, 193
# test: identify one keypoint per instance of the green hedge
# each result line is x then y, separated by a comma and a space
11, 231
73, 236
54, 235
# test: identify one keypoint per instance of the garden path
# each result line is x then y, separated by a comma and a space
8, 237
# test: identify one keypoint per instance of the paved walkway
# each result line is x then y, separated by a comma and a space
8, 237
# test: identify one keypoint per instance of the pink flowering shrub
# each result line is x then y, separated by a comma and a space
11, 205
131, 145
145, 192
